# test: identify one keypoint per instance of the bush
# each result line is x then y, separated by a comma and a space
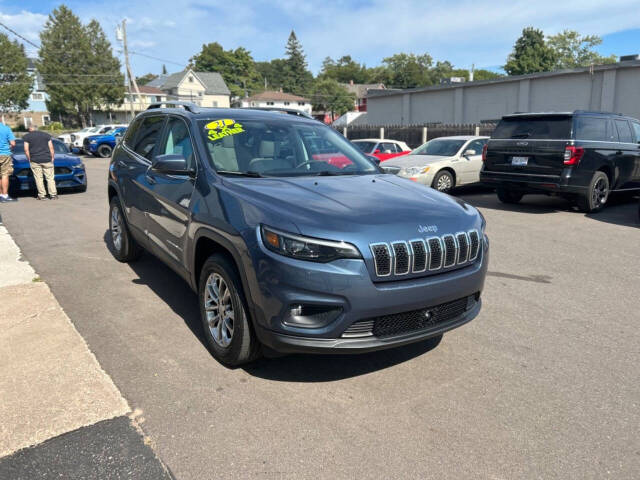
53, 126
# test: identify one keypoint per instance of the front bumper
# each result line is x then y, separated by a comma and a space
423, 178
77, 178
346, 285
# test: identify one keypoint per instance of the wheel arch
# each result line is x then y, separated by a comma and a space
451, 171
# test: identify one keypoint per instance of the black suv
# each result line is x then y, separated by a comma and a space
580, 155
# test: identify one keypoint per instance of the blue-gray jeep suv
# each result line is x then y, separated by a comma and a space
293, 239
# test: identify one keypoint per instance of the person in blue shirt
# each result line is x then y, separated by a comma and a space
7, 142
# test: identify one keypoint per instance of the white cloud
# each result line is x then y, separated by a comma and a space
27, 24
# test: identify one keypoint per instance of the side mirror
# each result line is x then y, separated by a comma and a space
170, 164
469, 153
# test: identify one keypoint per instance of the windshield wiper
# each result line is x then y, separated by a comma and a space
250, 173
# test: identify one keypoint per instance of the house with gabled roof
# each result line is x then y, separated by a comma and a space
206, 89
277, 99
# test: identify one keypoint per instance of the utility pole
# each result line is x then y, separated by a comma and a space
132, 78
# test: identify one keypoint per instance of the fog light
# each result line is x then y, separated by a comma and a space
311, 316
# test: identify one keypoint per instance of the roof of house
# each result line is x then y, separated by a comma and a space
150, 90
361, 89
276, 96
212, 81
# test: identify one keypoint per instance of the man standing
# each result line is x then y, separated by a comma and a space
38, 148
7, 142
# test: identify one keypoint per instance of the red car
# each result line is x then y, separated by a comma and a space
382, 149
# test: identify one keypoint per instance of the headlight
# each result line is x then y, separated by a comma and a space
93, 142
305, 248
80, 166
413, 171
484, 222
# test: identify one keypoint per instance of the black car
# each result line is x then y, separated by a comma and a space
580, 155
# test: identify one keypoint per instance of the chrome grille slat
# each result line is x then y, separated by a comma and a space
361, 328
419, 255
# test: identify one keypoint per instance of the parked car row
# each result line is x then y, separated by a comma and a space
76, 139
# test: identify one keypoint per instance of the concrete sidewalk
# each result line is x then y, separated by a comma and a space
51, 384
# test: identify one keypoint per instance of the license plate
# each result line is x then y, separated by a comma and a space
519, 161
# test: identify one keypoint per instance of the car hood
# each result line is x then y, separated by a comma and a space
101, 137
61, 160
359, 208
416, 160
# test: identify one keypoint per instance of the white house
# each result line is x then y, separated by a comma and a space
206, 89
277, 100
122, 113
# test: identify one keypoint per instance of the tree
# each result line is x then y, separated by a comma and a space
344, 70
236, 67
531, 54
164, 69
272, 73
329, 95
144, 79
574, 50
78, 66
482, 74
15, 82
407, 70
298, 79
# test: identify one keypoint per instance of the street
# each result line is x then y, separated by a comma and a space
544, 383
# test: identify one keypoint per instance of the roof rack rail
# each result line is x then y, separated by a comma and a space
188, 106
289, 111
598, 112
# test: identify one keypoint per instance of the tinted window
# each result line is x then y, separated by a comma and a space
624, 131
439, 146
147, 136
592, 128
539, 127
129, 139
477, 146
636, 129
366, 147
178, 141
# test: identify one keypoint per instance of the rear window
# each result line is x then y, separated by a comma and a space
542, 128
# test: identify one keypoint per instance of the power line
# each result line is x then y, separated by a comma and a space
19, 36
159, 59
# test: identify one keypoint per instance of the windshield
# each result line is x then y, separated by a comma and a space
280, 147
366, 147
541, 127
440, 147
58, 147
112, 131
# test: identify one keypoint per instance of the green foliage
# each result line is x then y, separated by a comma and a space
574, 50
329, 95
531, 54
164, 69
298, 79
53, 127
482, 74
404, 70
15, 82
274, 72
78, 66
236, 67
144, 79
344, 70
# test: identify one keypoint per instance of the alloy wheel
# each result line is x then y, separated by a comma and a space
116, 228
219, 309
444, 183
600, 192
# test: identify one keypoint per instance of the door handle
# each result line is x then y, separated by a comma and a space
619, 152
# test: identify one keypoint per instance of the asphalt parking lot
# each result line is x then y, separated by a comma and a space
543, 384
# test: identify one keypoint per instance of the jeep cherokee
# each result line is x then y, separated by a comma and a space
285, 249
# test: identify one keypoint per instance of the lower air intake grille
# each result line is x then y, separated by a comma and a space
415, 320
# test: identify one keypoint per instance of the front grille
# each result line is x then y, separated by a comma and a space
27, 172
382, 259
418, 255
401, 258
85, 143
61, 170
413, 321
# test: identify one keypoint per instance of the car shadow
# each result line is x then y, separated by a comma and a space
175, 292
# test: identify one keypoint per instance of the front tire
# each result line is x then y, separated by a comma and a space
597, 194
123, 246
225, 321
509, 196
104, 151
443, 181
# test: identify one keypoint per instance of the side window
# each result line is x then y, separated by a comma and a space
178, 141
636, 130
387, 148
624, 131
477, 146
147, 135
129, 138
592, 128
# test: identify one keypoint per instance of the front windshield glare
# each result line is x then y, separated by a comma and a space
280, 147
441, 147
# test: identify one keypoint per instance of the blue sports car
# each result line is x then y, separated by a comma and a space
69, 169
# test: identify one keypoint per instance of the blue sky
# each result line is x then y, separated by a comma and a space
481, 32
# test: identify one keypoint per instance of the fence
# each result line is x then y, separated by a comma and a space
416, 135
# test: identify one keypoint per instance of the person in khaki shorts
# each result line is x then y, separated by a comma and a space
7, 142
39, 150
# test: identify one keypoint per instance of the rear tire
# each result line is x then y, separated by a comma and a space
104, 151
443, 181
506, 195
597, 194
223, 310
123, 246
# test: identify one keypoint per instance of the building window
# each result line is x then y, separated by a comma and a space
269, 103
215, 103
301, 104
46, 120
191, 79
286, 103
37, 96
27, 121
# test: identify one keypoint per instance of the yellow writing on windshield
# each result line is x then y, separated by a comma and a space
222, 128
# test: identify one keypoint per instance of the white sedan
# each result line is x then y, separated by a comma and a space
443, 163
